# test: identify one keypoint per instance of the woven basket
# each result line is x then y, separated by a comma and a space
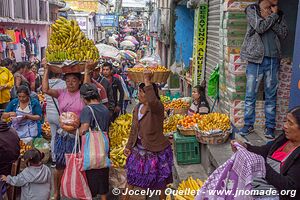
218, 138
186, 131
78, 68
180, 111
158, 77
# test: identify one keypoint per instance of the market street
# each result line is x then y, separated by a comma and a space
149, 99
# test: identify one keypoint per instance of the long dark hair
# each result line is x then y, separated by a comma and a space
142, 85
296, 113
23, 89
201, 91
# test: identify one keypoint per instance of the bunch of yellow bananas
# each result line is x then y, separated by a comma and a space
120, 129
190, 188
214, 121
68, 42
170, 124
117, 155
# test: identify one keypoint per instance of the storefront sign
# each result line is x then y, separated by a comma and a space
106, 20
199, 41
295, 86
82, 22
82, 5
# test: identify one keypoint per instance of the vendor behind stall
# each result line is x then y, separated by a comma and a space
200, 104
25, 113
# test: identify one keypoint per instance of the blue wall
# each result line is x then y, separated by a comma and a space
295, 87
184, 33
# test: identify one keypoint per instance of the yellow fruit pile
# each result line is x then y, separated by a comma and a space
189, 189
190, 121
153, 69
68, 42
46, 129
117, 155
41, 97
177, 104
170, 124
119, 130
214, 121
24, 147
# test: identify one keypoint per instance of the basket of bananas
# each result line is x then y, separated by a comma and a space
214, 128
160, 74
69, 48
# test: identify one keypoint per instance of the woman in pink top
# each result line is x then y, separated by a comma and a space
68, 101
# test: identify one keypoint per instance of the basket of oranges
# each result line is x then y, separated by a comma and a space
178, 106
186, 126
160, 74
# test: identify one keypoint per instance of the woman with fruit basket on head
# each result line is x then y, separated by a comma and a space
150, 157
200, 104
70, 105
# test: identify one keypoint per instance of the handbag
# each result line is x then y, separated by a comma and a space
95, 148
74, 182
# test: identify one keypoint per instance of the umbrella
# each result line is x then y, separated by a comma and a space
135, 42
129, 37
127, 30
127, 43
128, 55
113, 41
108, 51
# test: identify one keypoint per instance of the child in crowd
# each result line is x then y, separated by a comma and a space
34, 180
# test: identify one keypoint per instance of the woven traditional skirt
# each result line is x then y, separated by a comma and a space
148, 169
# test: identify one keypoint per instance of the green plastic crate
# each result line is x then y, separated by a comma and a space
187, 149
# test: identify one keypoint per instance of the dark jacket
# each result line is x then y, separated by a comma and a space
289, 176
9, 148
252, 49
150, 127
105, 83
117, 87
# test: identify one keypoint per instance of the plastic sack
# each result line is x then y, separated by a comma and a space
43, 146
213, 83
69, 121
151, 61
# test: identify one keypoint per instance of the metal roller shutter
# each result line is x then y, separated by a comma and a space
213, 37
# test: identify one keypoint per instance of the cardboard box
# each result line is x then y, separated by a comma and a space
231, 50
235, 15
239, 122
236, 59
232, 5
240, 104
234, 32
233, 41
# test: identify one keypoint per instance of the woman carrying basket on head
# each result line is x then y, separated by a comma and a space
150, 157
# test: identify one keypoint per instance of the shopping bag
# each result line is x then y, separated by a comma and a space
95, 148
74, 182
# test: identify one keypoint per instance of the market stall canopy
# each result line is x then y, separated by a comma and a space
129, 37
127, 43
113, 41
5, 38
108, 51
128, 55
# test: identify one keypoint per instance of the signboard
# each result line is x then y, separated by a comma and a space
133, 3
200, 37
106, 20
82, 22
81, 5
295, 85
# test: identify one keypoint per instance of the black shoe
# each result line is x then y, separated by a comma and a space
53, 164
246, 130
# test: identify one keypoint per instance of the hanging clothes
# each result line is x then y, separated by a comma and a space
17, 36
11, 34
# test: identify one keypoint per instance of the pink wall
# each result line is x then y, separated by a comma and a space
41, 29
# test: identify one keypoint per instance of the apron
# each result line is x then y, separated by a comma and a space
26, 129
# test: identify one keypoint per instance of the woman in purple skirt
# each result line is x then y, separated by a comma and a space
149, 152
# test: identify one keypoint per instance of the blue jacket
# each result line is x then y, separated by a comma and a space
36, 110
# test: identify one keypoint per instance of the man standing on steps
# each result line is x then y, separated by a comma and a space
116, 85
262, 49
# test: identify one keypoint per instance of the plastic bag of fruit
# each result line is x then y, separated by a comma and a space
69, 121
43, 146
